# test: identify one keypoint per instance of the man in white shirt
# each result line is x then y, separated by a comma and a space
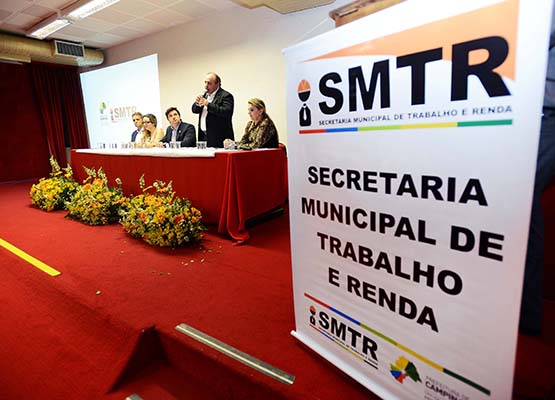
215, 109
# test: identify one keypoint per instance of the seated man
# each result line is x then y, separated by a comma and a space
179, 131
138, 122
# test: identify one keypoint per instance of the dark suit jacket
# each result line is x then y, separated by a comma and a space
185, 134
218, 120
134, 135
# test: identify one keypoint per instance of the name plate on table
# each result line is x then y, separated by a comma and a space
154, 152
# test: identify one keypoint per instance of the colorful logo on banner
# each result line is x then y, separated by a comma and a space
403, 368
304, 113
103, 117
357, 96
350, 338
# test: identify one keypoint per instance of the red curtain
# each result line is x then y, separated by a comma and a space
58, 94
42, 105
48, 96
24, 151
73, 107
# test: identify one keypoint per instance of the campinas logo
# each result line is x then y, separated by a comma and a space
403, 368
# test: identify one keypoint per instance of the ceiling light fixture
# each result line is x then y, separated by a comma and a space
48, 27
82, 9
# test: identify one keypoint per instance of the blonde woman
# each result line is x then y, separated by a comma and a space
151, 134
260, 131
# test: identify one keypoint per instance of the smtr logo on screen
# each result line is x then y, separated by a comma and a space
303, 91
403, 368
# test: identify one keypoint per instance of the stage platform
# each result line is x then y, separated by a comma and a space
105, 327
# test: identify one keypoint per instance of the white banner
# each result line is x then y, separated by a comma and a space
413, 136
111, 95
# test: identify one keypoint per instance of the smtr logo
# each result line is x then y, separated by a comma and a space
403, 368
102, 107
304, 93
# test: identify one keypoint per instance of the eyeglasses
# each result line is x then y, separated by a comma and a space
136, 119
147, 122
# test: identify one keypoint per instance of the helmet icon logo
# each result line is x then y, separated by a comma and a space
303, 91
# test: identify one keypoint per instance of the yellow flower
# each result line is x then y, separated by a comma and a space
161, 218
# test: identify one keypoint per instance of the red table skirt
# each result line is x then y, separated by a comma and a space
228, 189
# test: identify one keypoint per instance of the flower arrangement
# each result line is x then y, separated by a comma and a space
52, 193
161, 218
94, 202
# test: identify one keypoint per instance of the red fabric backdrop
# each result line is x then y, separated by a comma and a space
24, 151
74, 109
43, 113
48, 95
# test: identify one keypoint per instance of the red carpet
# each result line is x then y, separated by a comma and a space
105, 327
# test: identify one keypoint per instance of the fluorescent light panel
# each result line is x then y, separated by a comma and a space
49, 28
90, 8
78, 11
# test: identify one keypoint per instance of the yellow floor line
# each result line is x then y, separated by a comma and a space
30, 259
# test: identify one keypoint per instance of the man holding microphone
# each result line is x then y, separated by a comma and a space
215, 109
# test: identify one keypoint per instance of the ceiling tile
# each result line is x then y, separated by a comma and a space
96, 25
168, 18
12, 28
4, 14
107, 39
219, 4
164, 3
192, 8
124, 32
72, 30
153, 27
38, 11
124, 21
23, 20
136, 8
13, 5
113, 16
58, 4
59, 35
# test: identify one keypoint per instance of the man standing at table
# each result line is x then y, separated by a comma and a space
138, 121
215, 109
179, 131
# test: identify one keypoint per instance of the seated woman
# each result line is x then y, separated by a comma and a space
151, 134
260, 131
